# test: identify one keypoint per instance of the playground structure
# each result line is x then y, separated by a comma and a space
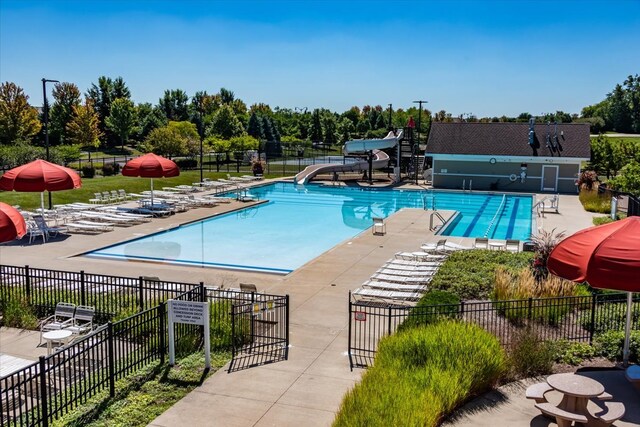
370, 156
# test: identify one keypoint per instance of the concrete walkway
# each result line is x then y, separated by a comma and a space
308, 388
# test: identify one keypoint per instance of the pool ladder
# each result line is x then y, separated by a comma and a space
433, 227
464, 184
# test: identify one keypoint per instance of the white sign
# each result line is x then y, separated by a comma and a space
191, 313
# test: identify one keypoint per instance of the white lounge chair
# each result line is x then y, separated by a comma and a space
401, 279
88, 227
395, 286
406, 273
402, 267
481, 243
396, 297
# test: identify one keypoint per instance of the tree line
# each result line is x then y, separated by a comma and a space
106, 117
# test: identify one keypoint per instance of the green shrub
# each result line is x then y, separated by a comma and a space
610, 316
594, 202
422, 374
529, 356
17, 313
573, 353
88, 171
470, 274
109, 169
187, 163
434, 305
599, 220
610, 345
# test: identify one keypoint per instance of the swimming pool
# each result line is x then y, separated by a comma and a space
301, 222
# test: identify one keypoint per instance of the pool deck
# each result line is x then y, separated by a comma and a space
308, 388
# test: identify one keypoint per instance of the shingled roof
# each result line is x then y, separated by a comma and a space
508, 139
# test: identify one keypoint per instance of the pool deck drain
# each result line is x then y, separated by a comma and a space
308, 388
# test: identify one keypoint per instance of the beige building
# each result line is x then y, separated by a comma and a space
508, 156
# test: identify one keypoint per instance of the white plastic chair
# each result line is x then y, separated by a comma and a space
379, 227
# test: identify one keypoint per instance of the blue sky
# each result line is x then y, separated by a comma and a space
486, 58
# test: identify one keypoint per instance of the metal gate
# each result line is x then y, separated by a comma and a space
260, 331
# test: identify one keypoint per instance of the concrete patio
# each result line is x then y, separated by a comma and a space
308, 388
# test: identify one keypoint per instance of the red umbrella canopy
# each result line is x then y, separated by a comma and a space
411, 123
12, 224
607, 256
39, 176
151, 166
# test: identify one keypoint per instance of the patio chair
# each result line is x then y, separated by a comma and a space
379, 227
34, 231
116, 196
481, 243
48, 231
248, 287
82, 320
513, 245
124, 195
97, 199
61, 318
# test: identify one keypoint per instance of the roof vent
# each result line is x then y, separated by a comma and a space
532, 132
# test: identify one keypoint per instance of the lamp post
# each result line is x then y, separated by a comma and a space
201, 135
390, 118
418, 138
46, 120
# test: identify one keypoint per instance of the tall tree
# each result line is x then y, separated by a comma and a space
632, 87
227, 96
122, 119
315, 131
102, 95
225, 124
254, 128
267, 129
84, 129
18, 120
149, 118
175, 105
330, 129
619, 111
65, 97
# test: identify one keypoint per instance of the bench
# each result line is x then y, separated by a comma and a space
633, 375
563, 418
537, 391
615, 411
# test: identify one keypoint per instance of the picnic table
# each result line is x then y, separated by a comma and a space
576, 390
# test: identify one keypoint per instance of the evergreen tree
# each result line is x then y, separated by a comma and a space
315, 131
102, 95
330, 129
254, 127
267, 129
149, 118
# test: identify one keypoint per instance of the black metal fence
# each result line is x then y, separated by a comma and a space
54, 385
258, 334
562, 318
51, 387
110, 295
627, 203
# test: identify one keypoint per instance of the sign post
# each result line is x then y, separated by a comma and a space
190, 313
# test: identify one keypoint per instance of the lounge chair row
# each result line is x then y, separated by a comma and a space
113, 196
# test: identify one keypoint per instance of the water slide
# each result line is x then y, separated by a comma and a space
358, 146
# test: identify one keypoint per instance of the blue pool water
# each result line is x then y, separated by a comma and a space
301, 222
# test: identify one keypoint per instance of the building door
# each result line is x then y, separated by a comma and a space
549, 178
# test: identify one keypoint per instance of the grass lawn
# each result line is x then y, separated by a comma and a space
143, 396
108, 183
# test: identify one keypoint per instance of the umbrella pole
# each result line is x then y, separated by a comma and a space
627, 331
42, 203
151, 193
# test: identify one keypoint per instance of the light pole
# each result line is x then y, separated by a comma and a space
46, 120
390, 119
201, 135
418, 138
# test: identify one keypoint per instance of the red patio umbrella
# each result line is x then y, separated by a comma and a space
12, 224
40, 176
606, 256
411, 123
151, 166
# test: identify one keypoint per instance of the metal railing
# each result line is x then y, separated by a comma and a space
562, 318
55, 384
